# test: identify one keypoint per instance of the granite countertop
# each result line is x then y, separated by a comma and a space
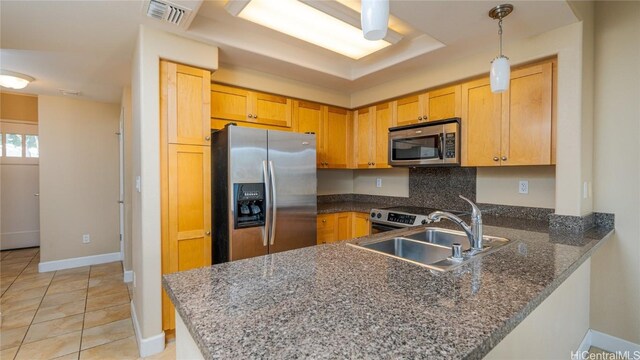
337, 301
343, 206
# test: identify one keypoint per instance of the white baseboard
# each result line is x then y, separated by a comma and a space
608, 343
78, 262
128, 276
147, 346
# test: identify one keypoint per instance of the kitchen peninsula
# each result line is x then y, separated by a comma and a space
337, 301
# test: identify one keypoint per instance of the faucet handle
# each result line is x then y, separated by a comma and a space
475, 209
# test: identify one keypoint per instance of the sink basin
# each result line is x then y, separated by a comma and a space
411, 250
430, 247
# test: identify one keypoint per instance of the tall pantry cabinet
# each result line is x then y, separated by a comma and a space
185, 170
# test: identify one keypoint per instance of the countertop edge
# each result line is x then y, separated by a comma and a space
187, 322
499, 334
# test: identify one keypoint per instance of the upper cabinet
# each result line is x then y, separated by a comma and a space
308, 117
370, 129
337, 138
512, 128
234, 104
429, 106
187, 104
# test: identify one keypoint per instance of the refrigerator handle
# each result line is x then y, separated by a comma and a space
267, 215
272, 181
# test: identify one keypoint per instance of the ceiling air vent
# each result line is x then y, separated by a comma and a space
167, 12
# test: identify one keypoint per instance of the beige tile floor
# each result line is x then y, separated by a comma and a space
81, 313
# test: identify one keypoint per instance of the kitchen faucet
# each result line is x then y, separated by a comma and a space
474, 232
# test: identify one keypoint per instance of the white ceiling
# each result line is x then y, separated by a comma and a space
88, 45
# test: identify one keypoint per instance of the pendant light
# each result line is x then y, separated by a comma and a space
374, 18
500, 69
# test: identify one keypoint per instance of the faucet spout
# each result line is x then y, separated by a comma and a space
474, 232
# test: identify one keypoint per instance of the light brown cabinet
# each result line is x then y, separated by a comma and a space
371, 128
235, 104
341, 226
185, 170
337, 138
433, 105
308, 117
512, 128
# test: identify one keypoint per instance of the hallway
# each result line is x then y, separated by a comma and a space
81, 313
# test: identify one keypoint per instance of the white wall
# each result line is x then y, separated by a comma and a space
615, 290
78, 177
499, 185
151, 46
129, 180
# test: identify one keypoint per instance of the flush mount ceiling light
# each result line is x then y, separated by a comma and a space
14, 80
305, 22
375, 19
500, 68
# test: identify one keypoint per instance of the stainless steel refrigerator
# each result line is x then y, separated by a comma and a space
263, 192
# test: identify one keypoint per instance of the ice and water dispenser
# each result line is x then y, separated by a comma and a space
250, 203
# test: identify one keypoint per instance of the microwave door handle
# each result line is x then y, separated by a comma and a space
440, 142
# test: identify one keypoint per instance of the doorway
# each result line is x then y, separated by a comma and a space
19, 185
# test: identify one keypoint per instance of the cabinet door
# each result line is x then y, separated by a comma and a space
526, 125
481, 124
326, 231
307, 117
337, 140
363, 139
271, 110
361, 225
229, 103
186, 242
343, 224
410, 110
188, 108
444, 103
381, 135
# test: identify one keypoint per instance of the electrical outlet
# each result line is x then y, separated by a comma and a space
523, 187
86, 238
378, 183
585, 190
138, 183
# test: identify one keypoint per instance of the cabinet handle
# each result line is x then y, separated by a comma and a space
369, 163
373, 163
250, 116
504, 158
419, 118
324, 220
255, 116
207, 138
424, 117
495, 158
207, 233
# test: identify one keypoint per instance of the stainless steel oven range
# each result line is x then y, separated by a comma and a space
399, 217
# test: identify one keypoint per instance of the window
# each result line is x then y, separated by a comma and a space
32, 147
13, 145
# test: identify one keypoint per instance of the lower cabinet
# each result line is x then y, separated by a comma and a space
341, 226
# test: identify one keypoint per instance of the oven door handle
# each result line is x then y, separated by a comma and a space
440, 143
382, 228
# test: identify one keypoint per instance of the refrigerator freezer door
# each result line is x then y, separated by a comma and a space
247, 154
293, 160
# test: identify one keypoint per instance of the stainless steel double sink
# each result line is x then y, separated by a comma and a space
430, 247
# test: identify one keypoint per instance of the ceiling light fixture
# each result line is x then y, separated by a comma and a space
374, 17
500, 69
14, 80
307, 23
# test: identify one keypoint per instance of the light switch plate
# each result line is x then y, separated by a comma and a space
378, 182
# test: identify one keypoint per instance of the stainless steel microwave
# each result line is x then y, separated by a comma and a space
433, 143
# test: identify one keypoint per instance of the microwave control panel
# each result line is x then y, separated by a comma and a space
450, 145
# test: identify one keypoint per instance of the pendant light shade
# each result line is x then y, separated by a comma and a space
500, 74
374, 18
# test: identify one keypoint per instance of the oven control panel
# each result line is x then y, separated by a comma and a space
401, 218
396, 219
